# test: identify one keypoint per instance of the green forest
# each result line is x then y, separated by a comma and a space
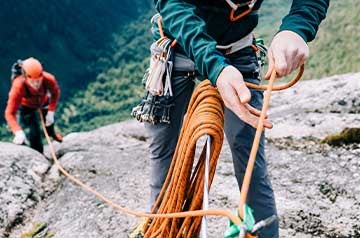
99, 50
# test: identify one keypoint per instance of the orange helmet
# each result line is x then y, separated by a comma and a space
32, 68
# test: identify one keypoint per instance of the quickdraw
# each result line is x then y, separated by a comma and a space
155, 106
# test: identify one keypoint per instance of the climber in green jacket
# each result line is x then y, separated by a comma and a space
216, 36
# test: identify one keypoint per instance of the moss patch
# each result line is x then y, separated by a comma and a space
39, 230
345, 137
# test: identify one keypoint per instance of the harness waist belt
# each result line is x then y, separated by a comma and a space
237, 45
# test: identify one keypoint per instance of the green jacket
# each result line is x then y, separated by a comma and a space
199, 25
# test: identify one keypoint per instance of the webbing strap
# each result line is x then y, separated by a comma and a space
237, 45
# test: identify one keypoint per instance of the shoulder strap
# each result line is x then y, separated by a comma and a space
16, 70
27, 90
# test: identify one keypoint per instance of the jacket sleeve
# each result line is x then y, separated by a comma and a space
305, 17
54, 90
15, 95
181, 22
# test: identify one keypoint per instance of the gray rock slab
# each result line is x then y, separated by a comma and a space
316, 107
316, 186
22, 185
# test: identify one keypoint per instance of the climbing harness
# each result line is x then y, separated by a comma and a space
158, 101
237, 45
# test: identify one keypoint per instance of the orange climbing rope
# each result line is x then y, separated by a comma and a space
254, 149
182, 193
183, 188
279, 87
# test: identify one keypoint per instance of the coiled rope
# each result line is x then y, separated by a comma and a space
183, 188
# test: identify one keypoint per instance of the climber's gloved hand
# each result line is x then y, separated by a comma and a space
19, 137
49, 119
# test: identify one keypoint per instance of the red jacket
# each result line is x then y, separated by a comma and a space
23, 94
